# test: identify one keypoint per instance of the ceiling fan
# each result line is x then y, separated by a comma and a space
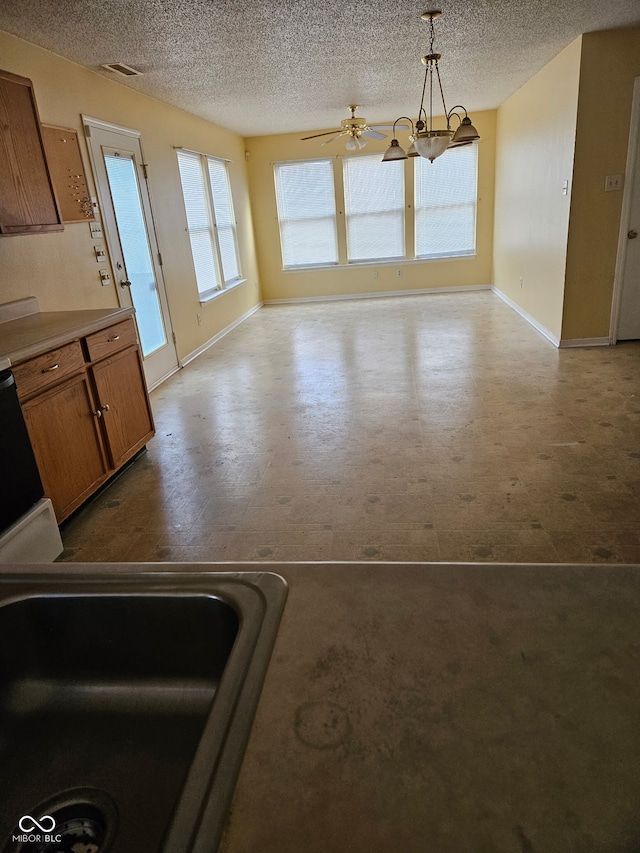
355, 129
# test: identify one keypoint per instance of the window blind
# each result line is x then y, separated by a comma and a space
445, 203
225, 219
132, 231
374, 208
306, 212
199, 222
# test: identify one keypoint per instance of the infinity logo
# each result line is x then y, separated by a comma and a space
28, 823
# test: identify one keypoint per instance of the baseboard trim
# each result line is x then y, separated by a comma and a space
164, 378
526, 316
196, 352
585, 342
376, 295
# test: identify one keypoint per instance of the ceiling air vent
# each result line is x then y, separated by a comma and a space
124, 70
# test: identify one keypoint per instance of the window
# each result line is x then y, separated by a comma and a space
374, 208
445, 203
210, 221
306, 213
373, 229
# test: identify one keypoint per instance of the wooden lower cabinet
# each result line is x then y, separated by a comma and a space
65, 434
86, 426
122, 398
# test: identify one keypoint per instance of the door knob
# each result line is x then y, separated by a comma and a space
632, 234
125, 283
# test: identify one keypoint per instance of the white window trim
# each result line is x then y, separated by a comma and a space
399, 262
220, 291
211, 293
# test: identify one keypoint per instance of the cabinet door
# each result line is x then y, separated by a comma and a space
122, 397
27, 199
64, 432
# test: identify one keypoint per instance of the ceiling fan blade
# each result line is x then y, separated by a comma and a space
373, 134
388, 127
335, 136
316, 135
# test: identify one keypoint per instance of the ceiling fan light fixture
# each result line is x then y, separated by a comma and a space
355, 143
394, 152
354, 128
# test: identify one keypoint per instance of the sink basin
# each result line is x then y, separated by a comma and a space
126, 703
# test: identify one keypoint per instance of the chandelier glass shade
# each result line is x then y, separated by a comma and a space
426, 141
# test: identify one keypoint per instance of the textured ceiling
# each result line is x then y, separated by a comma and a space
293, 65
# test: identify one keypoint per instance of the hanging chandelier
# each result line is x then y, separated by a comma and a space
425, 140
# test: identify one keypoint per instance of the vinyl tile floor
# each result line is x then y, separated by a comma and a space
439, 427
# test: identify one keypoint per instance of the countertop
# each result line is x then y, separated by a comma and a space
443, 708
35, 333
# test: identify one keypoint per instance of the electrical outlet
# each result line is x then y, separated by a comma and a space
399, 273
199, 316
375, 273
521, 281
613, 183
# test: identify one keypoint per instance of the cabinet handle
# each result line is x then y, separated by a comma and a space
97, 413
50, 369
105, 408
114, 338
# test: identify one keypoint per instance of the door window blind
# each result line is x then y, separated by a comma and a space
306, 213
445, 203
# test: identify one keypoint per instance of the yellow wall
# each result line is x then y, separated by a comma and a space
534, 155
359, 278
60, 268
610, 63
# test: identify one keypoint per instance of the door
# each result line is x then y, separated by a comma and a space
117, 162
628, 326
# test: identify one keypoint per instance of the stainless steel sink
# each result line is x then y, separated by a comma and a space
126, 703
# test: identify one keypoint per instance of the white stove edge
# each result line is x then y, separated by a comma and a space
33, 538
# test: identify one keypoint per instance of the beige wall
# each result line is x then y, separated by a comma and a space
534, 155
60, 268
610, 63
359, 279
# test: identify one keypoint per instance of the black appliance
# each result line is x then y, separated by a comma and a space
20, 483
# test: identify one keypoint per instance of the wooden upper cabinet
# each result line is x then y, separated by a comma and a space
27, 199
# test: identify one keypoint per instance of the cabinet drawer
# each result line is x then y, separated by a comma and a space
39, 373
110, 340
